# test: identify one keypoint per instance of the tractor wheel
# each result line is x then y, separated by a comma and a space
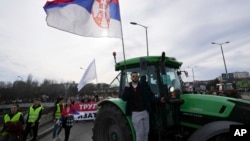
221, 137
111, 125
214, 131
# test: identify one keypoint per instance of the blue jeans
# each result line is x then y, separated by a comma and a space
56, 130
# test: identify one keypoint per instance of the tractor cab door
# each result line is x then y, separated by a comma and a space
170, 88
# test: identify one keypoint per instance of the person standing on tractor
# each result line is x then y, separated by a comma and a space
13, 125
139, 98
57, 118
33, 119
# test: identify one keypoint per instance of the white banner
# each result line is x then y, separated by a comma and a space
88, 115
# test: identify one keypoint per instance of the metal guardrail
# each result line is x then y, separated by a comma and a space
26, 105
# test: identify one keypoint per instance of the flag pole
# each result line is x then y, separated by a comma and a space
123, 47
96, 74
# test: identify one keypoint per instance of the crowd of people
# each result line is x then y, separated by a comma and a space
18, 128
137, 94
14, 122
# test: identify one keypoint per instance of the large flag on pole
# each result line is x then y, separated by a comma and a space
93, 18
89, 75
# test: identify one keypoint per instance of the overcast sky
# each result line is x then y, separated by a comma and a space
184, 29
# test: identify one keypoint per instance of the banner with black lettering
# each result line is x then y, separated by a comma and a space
87, 111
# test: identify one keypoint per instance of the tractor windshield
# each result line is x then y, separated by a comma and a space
153, 78
171, 79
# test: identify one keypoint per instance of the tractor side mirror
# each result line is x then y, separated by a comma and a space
114, 54
180, 71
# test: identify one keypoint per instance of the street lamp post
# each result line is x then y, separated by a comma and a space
192, 71
66, 86
146, 28
220, 44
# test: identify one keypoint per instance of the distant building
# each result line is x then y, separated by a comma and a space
241, 74
239, 80
234, 75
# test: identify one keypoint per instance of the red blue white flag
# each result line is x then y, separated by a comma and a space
93, 18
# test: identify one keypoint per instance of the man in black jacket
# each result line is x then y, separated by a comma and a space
139, 98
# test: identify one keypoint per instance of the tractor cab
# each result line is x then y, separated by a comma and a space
163, 76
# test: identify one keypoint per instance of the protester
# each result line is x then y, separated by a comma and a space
57, 119
32, 122
68, 112
139, 98
85, 99
13, 125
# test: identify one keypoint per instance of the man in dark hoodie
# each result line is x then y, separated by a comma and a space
32, 122
139, 98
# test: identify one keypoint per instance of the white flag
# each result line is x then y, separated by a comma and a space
89, 75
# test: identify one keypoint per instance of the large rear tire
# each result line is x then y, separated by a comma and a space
214, 131
111, 125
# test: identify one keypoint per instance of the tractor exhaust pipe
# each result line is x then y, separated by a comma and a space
114, 54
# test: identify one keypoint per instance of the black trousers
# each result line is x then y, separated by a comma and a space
9, 138
27, 130
67, 132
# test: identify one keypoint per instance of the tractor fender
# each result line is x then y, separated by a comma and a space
212, 129
119, 103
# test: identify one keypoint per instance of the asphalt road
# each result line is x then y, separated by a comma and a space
81, 131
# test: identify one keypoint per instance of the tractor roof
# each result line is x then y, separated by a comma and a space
151, 60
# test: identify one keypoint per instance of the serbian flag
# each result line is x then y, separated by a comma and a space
92, 18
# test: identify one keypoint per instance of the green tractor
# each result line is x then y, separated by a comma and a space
192, 117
